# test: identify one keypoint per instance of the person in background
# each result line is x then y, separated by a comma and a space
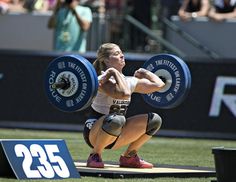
193, 8
70, 22
107, 126
4, 6
169, 8
51, 4
8, 6
223, 10
36, 5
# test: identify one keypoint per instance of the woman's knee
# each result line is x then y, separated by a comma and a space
153, 123
113, 124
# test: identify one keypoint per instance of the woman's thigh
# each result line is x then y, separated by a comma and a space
95, 129
134, 128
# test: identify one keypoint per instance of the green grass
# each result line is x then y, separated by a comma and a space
160, 150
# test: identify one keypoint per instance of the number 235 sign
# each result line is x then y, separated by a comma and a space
37, 159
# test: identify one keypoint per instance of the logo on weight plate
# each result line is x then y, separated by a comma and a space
78, 83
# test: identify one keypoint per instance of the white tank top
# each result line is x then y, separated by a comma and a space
105, 104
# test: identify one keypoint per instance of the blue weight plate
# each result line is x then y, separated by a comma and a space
83, 89
189, 78
180, 83
94, 81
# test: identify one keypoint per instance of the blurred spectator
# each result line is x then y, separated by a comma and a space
71, 22
36, 5
193, 8
51, 4
17, 6
222, 10
114, 7
95, 5
168, 8
4, 6
11, 6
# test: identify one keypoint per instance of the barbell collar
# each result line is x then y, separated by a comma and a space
62, 84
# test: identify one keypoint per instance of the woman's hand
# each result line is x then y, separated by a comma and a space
148, 81
107, 76
141, 73
113, 83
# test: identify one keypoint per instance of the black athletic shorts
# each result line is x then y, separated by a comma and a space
92, 117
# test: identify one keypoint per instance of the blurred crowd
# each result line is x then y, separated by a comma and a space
21, 6
186, 9
141, 9
46, 5
148, 12
216, 10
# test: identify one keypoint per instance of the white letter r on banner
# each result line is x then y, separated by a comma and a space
219, 97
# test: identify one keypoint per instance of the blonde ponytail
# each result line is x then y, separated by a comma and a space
103, 53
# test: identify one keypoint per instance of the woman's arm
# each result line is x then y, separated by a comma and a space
204, 9
183, 14
114, 84
221, 16
148, 82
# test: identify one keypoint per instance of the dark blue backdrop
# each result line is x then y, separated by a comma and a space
24, 103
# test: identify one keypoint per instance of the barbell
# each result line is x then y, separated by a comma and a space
71, 82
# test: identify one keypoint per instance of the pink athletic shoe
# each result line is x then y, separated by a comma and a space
134, 162
95, 161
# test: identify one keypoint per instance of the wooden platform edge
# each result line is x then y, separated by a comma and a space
200, 172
